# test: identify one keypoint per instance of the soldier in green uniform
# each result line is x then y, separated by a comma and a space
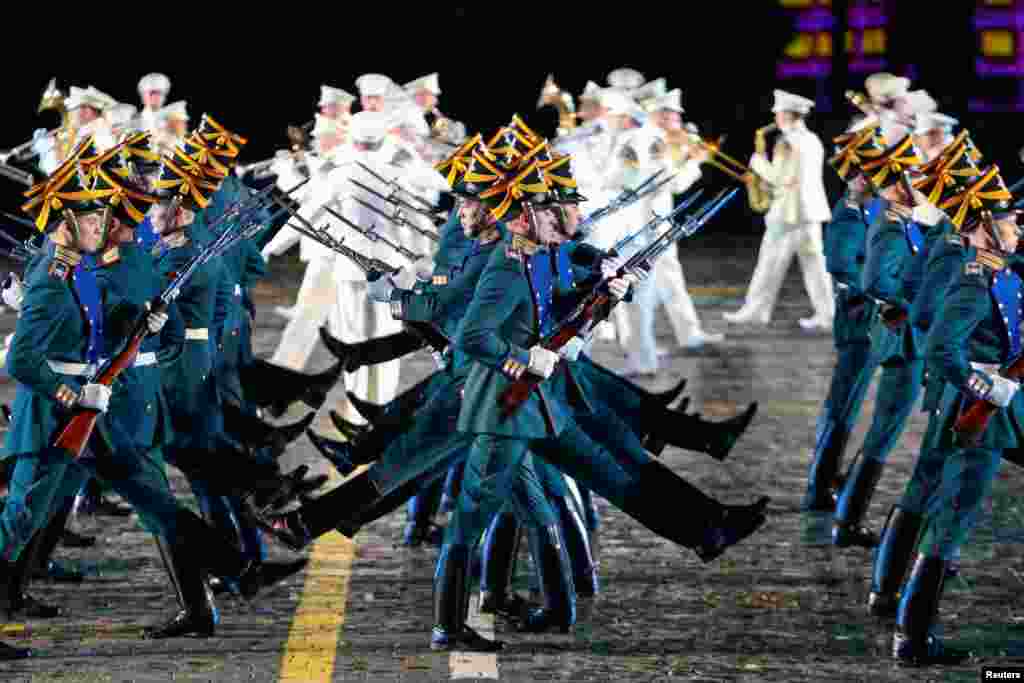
47, 358
945, 183
894, 242
844, 245
974, 336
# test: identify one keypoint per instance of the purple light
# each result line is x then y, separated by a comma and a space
861, 17
810, 69
993, 18
865, 65
985, 68
816, 20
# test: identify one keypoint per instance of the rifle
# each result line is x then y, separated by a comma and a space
624, 199
76, 431
427, 332
597, 304
372, 235
654, 222
429, 209
397, 217
974, 419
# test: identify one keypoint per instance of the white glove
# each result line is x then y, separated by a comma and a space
266, 253
927, 214
1003, 391
95, 397
424, 268
379, 290
542, 361
155, 321
13, 293
610, 266
620, 285
572, 349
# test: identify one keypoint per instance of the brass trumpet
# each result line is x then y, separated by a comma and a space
551, 93
759, 191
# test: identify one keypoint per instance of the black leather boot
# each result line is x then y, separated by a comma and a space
558, 611
396, 412
46, 567
849, 529
257, 434
914, 643
577, 544
338, 453
895, 551
500, 547
372, 351
826, 461
451, 605
197, 616
694, 433
14, 580
350, 430
274, 387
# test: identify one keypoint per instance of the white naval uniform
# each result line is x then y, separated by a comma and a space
317, 299
666, 285
793, 227
591, 158
361, 318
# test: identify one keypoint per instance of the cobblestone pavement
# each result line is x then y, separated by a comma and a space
781, 607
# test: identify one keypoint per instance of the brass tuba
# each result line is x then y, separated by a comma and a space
552, 94
759, 192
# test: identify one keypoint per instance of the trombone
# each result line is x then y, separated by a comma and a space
759, 191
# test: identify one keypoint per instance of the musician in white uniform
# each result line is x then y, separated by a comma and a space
362, 318
933, 133
317, 299
374, 91
171, 126
153, 90
639, 154
793, 223
335, 103
426, 92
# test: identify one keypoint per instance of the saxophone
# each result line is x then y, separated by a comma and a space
759, 192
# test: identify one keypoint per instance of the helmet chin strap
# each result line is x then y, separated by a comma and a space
993, 232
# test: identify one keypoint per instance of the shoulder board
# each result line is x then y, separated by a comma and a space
439, 280
110, 256
990, 260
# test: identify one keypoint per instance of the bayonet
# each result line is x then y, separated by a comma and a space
396, 188
398, 218
374, 236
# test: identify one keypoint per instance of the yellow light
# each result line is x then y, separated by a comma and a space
823, 45
997, 44
874, 41
801, 46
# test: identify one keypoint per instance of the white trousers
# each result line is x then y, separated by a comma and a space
665, 287
362, 319
780, 243
316, 302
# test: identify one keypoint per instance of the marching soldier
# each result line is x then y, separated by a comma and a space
974, 336
335, 104
374, 91
426, 91
793, 223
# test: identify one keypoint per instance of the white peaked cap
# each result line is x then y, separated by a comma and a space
626, 79
175, 110
330, 95
430, 82
920, 102
883, 86
154, 82
374, 85
931, 120
671, 100
591, 91
787, 101
369, 126
325, 126
90, 96
651, 90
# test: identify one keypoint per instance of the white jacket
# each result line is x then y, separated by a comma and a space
799, 188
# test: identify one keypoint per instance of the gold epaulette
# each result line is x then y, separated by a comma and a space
488, 235
898, 212
110, 256
513, 368
990, 260
524, 245
439, 280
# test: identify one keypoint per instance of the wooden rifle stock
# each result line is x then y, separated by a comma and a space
973, 420
517, 393
75, 434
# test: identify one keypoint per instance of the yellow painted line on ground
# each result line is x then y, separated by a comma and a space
312, 645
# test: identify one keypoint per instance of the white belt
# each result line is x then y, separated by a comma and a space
197, 334
141, 360
72, 369
238, 290
987, 368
